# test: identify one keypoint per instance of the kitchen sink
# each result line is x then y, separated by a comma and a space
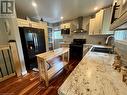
102, 50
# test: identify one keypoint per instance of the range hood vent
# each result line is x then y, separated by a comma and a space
79, 28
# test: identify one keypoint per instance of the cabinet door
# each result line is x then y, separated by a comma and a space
98, 22
118, 11
106, 21
66, 25
91, 26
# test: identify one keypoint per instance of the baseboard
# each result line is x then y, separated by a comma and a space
25, 72
7, 77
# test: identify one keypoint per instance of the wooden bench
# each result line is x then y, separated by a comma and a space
43, 58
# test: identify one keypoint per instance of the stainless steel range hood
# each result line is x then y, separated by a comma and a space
79, 28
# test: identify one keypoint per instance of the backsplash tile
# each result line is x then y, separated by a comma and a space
89, 39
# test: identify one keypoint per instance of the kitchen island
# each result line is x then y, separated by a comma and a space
47, 73
94, 75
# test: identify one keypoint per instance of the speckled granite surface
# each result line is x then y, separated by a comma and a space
94, 75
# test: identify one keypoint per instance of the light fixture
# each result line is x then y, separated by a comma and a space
95, 8
61, 18
34, 4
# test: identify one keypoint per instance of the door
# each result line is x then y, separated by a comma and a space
57, 38
41, 41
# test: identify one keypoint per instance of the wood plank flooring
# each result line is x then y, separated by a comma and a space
30, 84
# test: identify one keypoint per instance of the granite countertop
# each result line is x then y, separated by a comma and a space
94, 75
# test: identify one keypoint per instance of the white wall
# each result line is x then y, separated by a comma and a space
8, 32
15, 35
3, 33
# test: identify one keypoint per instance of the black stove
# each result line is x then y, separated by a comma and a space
76, 48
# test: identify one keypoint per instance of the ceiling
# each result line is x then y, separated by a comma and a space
52, 10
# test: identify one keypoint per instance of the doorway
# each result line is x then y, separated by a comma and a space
57, 38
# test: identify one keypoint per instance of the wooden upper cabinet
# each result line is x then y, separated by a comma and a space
98, 22
35, 24
27, 23
119, 15
66, 25
101, 23
119, 9
106, 22
22, 22
91, 26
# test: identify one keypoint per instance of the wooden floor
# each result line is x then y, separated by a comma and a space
30, 84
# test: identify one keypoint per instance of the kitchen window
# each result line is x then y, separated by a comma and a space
57, 34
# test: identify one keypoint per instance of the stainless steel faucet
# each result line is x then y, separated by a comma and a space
107, 41
108, 38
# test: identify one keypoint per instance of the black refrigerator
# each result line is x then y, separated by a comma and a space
33, 42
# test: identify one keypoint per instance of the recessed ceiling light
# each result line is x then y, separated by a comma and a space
61, 18
34, 4
95, 8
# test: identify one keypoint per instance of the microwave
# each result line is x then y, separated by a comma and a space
65, 31
124, 7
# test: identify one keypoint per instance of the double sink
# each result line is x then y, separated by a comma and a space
102, 50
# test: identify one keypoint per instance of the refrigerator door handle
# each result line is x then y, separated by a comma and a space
35, 41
